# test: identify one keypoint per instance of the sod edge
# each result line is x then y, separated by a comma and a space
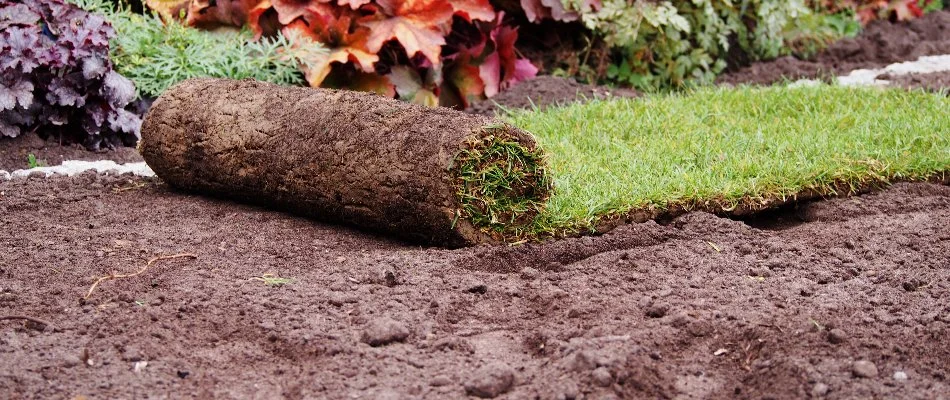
729, 151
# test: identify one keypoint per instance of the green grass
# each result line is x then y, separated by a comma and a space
725, 150
502, 185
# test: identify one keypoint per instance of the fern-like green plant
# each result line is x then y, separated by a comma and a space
156, 55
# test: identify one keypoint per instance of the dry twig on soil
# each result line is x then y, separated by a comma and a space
114, 275
31, 319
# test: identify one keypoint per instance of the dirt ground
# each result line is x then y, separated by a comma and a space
14, 152
881, 43
843, 298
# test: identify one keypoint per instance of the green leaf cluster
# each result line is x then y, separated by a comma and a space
156, 55
672, 44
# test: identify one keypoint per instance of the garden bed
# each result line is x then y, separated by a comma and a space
841, 298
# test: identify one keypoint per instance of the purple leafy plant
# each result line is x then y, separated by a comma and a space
56, 78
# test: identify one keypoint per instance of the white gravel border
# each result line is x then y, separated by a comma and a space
72, 167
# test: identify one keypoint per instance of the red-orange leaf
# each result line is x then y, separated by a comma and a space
289, 10
168, 9
418, 25
345, 42
464, 80
411, 87
211, 13
474, 9
353, 4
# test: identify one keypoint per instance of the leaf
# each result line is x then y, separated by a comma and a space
474, 9
289, 10
372, 82
168, 9
125, 121
503, 68
212, 13
63, 92
416, 24
907, 9
346, 42
17, 14
463, 78
117, 89
22, 49
354, 4
409, 86
537, 10
20, 92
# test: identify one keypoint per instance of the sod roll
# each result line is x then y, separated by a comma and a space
431, 175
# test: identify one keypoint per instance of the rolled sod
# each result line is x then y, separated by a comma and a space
431, 175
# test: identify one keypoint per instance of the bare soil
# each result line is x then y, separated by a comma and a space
546, 91
14, 152
934, 81
879, 44
845, 298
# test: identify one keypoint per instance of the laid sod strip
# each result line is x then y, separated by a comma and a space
732, 150
430, 175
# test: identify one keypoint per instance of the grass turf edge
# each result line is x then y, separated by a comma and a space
731, 151
502, 182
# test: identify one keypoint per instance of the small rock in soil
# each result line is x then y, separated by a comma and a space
582, 361
480, 288
383, 331
657, 310
864, 369
529, 273
440, 380
819, 390
602, 377
491, 381
71, 361
837, 336
900, 376
569, 391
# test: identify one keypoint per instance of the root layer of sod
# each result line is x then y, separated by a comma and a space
732, 151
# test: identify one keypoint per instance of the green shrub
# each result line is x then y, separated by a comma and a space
672, 44
155, 55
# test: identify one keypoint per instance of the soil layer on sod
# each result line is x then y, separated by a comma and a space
845, 298
879, 44
430, 175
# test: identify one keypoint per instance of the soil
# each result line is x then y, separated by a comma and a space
934, 81
879, 44
845, 298
545, 91
14, 152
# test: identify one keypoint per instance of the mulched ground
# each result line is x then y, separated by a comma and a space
934, 81
880, 44
546, 91
844, 298
14, 152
